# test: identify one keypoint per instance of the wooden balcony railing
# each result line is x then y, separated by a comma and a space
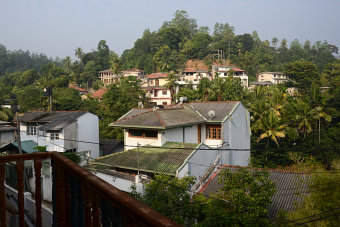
79, 197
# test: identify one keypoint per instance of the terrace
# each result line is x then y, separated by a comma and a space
79, 197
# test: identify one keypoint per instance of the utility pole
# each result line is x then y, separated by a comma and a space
48, 93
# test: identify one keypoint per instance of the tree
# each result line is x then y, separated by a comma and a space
171, 197
171, 84
67, 62
78, 52
304, 73
217, 88
271, 128
204, 88
242, 200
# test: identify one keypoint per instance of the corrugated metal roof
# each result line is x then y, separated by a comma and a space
54, 121
166, 159
27, 146
291, 188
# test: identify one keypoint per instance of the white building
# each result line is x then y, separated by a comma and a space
223, 70
65, 131
138, 73
155, 89
273, 77
194, 71
183, 140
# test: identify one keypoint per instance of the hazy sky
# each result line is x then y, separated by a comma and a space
57, 27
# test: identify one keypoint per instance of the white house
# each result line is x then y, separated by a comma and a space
156, 90
182, 140
273, 77
62, 131
194, 71
223, 70
215, 124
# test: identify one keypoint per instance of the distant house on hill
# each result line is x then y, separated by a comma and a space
80, 90
156, 90
138, 73
108, 77
99, 93
273, 77
223, 70
194, 71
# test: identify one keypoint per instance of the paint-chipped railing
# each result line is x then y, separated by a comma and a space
79, 197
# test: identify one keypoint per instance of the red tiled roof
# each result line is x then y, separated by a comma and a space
106, 71
238, 70
157, 75
77, 88
133, 70
195, 65
99, 93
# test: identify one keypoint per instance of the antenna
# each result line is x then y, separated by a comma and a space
211, 114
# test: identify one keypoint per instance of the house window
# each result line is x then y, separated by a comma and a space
213, 131
157, 82
164, 92
143, 133
31, 130
151, 82
165, 103
155, 94
54, 136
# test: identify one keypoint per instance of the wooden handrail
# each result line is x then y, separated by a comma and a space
94, 194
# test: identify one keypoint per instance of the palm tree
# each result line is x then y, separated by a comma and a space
277, 100
204, 88
304, 117
321, 114
271, 128
79, 53
217, 87
172, 83
67, 62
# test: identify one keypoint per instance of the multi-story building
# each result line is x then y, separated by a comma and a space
156, 90
194, 71
108, 77
138, 73
273, 77
224, 70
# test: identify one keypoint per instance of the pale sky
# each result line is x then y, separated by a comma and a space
57, 27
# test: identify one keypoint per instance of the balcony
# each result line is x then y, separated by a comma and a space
79, 197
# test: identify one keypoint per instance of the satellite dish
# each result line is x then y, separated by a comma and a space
211, 114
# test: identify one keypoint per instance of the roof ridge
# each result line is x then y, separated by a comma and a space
272, 170
160, 118
132, 116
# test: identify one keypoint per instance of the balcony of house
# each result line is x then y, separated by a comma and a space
79, 198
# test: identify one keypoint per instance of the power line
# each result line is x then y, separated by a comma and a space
324, 212
314, 220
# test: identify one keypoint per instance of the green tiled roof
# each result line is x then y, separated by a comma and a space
166, 159
27, 146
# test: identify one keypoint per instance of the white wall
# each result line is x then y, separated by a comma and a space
132, 142
176, 135
237, 134
88, 130
120, 183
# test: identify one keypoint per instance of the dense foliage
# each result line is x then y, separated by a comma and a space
242, 200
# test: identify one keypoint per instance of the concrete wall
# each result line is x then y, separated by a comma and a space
122, 184
71, 135
88, 130
176, 135
29, 206
237, 133
6, 137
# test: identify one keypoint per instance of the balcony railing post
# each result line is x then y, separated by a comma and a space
54, 197
95, 210
20, 186
2, 195
60, 193
67, 198
87, 206
105, 213
37, 168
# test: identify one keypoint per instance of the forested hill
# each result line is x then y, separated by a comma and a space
19, 60
181, 39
